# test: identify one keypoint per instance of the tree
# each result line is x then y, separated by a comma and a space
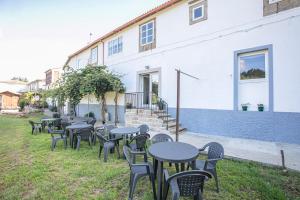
71, 87
96, 81
23, 79
118, 87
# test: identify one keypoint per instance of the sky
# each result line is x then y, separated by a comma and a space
36, 35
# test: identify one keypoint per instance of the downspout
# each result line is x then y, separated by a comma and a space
102, 52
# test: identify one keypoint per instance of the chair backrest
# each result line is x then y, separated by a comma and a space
144, 128
84, 133
215, 150
92, 122
140, 141
101, 135
190, 182
128, 155
161, 137
31, 123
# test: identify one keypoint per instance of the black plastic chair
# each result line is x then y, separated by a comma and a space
215, 153
35, 127
161, 137
85, 134
91, 121
144, 128
138, 170
61, 136
185, 184
105, 143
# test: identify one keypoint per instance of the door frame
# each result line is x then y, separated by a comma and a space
148, 71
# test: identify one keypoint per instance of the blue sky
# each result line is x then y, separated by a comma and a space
39, 34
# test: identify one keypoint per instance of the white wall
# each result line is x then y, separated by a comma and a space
206, 50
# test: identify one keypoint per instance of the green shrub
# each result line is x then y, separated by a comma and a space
22, 104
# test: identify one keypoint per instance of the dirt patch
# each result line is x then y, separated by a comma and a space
30, 191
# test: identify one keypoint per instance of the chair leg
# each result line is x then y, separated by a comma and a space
177, 167
153, 186
65, 142
78, 142
165, 191
118, 151
53, 144
216, 180
90, 141
100, 150
105, 153
155, 163
132, 187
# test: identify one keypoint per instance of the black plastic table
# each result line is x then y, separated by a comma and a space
73, 127
124, 131
172, 152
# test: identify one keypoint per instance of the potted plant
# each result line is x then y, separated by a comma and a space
128, 105
260, 107
160, 105
245, 106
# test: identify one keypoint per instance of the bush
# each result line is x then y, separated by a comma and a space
90, 114
22, 104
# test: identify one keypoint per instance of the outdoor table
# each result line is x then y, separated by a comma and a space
124, 132
172, 152
73, 127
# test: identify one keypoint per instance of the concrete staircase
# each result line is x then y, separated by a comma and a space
156, 120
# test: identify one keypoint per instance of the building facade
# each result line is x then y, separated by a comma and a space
244, 53
52, 76
36, 85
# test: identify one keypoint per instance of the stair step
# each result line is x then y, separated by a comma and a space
170, 120
181, 130
159, 111
162, 116
171, 125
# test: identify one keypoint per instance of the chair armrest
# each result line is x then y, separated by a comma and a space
142, 153
166, 174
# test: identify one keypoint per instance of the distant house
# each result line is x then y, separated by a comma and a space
9, 100
52, 76
36, 85
243, 52
13, 86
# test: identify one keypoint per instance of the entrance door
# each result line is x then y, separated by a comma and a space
149, 86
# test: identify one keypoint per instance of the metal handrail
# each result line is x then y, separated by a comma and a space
142, 101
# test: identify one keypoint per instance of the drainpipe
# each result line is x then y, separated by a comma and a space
102, 52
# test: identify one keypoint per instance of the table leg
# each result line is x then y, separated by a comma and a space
193, 164
160, 180
71, 137
182, 167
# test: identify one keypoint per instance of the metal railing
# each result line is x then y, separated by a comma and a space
148, 101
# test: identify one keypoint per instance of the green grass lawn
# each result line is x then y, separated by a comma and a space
29, 170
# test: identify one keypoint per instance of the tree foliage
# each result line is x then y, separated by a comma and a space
95, 80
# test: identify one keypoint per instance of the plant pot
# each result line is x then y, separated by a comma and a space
245, 108
260, 109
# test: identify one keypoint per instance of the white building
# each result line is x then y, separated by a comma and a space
36, 85
243, 52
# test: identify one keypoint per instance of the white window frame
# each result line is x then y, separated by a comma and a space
141, 33
257, 80
94, 60
115, 46
193, 13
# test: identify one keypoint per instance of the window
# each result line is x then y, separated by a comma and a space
147, 33
198, 11
115, 46
94, 56
252, 66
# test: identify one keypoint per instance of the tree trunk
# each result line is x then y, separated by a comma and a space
116, 108
103, 107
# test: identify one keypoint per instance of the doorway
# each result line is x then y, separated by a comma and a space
149, 86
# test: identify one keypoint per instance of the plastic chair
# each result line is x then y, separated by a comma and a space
138, 170
105, 143
214, 154
35, 127
85, 134
61, 136
185, 184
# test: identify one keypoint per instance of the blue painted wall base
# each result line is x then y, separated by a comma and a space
267, 126
83, 109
